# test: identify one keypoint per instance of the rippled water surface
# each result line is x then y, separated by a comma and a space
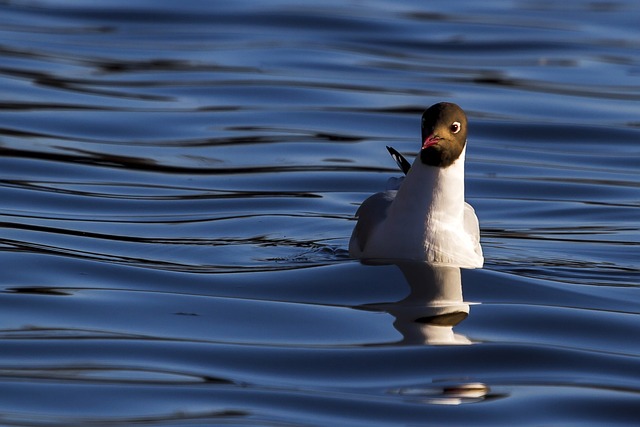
177, 188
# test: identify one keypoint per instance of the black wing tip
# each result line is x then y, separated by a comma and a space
403, 164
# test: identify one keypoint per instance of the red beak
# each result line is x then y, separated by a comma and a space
431, 140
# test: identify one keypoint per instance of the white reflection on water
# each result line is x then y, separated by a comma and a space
433, 307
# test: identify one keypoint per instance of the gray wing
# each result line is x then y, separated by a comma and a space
472, 227
371, 213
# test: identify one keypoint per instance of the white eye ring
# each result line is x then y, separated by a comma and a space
455, 127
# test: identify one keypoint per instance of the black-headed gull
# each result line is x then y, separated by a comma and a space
425, 218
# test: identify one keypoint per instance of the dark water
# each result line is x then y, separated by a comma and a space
177, 188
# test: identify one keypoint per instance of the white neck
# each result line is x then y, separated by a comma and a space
432, 194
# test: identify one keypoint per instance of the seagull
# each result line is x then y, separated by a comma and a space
423, 216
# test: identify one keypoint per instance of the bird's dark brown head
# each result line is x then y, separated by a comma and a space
444, 134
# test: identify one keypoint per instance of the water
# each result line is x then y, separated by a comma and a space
178, 182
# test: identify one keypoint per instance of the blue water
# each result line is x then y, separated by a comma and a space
177, 188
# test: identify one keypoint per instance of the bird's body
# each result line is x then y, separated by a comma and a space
426, 218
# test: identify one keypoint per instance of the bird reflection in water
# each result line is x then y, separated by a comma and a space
428, 315
433, 307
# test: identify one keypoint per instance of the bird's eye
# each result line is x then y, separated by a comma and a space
455, 127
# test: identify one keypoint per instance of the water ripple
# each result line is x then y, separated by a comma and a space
178, 185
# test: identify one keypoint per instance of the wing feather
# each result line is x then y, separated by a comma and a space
372, 212
472, 227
